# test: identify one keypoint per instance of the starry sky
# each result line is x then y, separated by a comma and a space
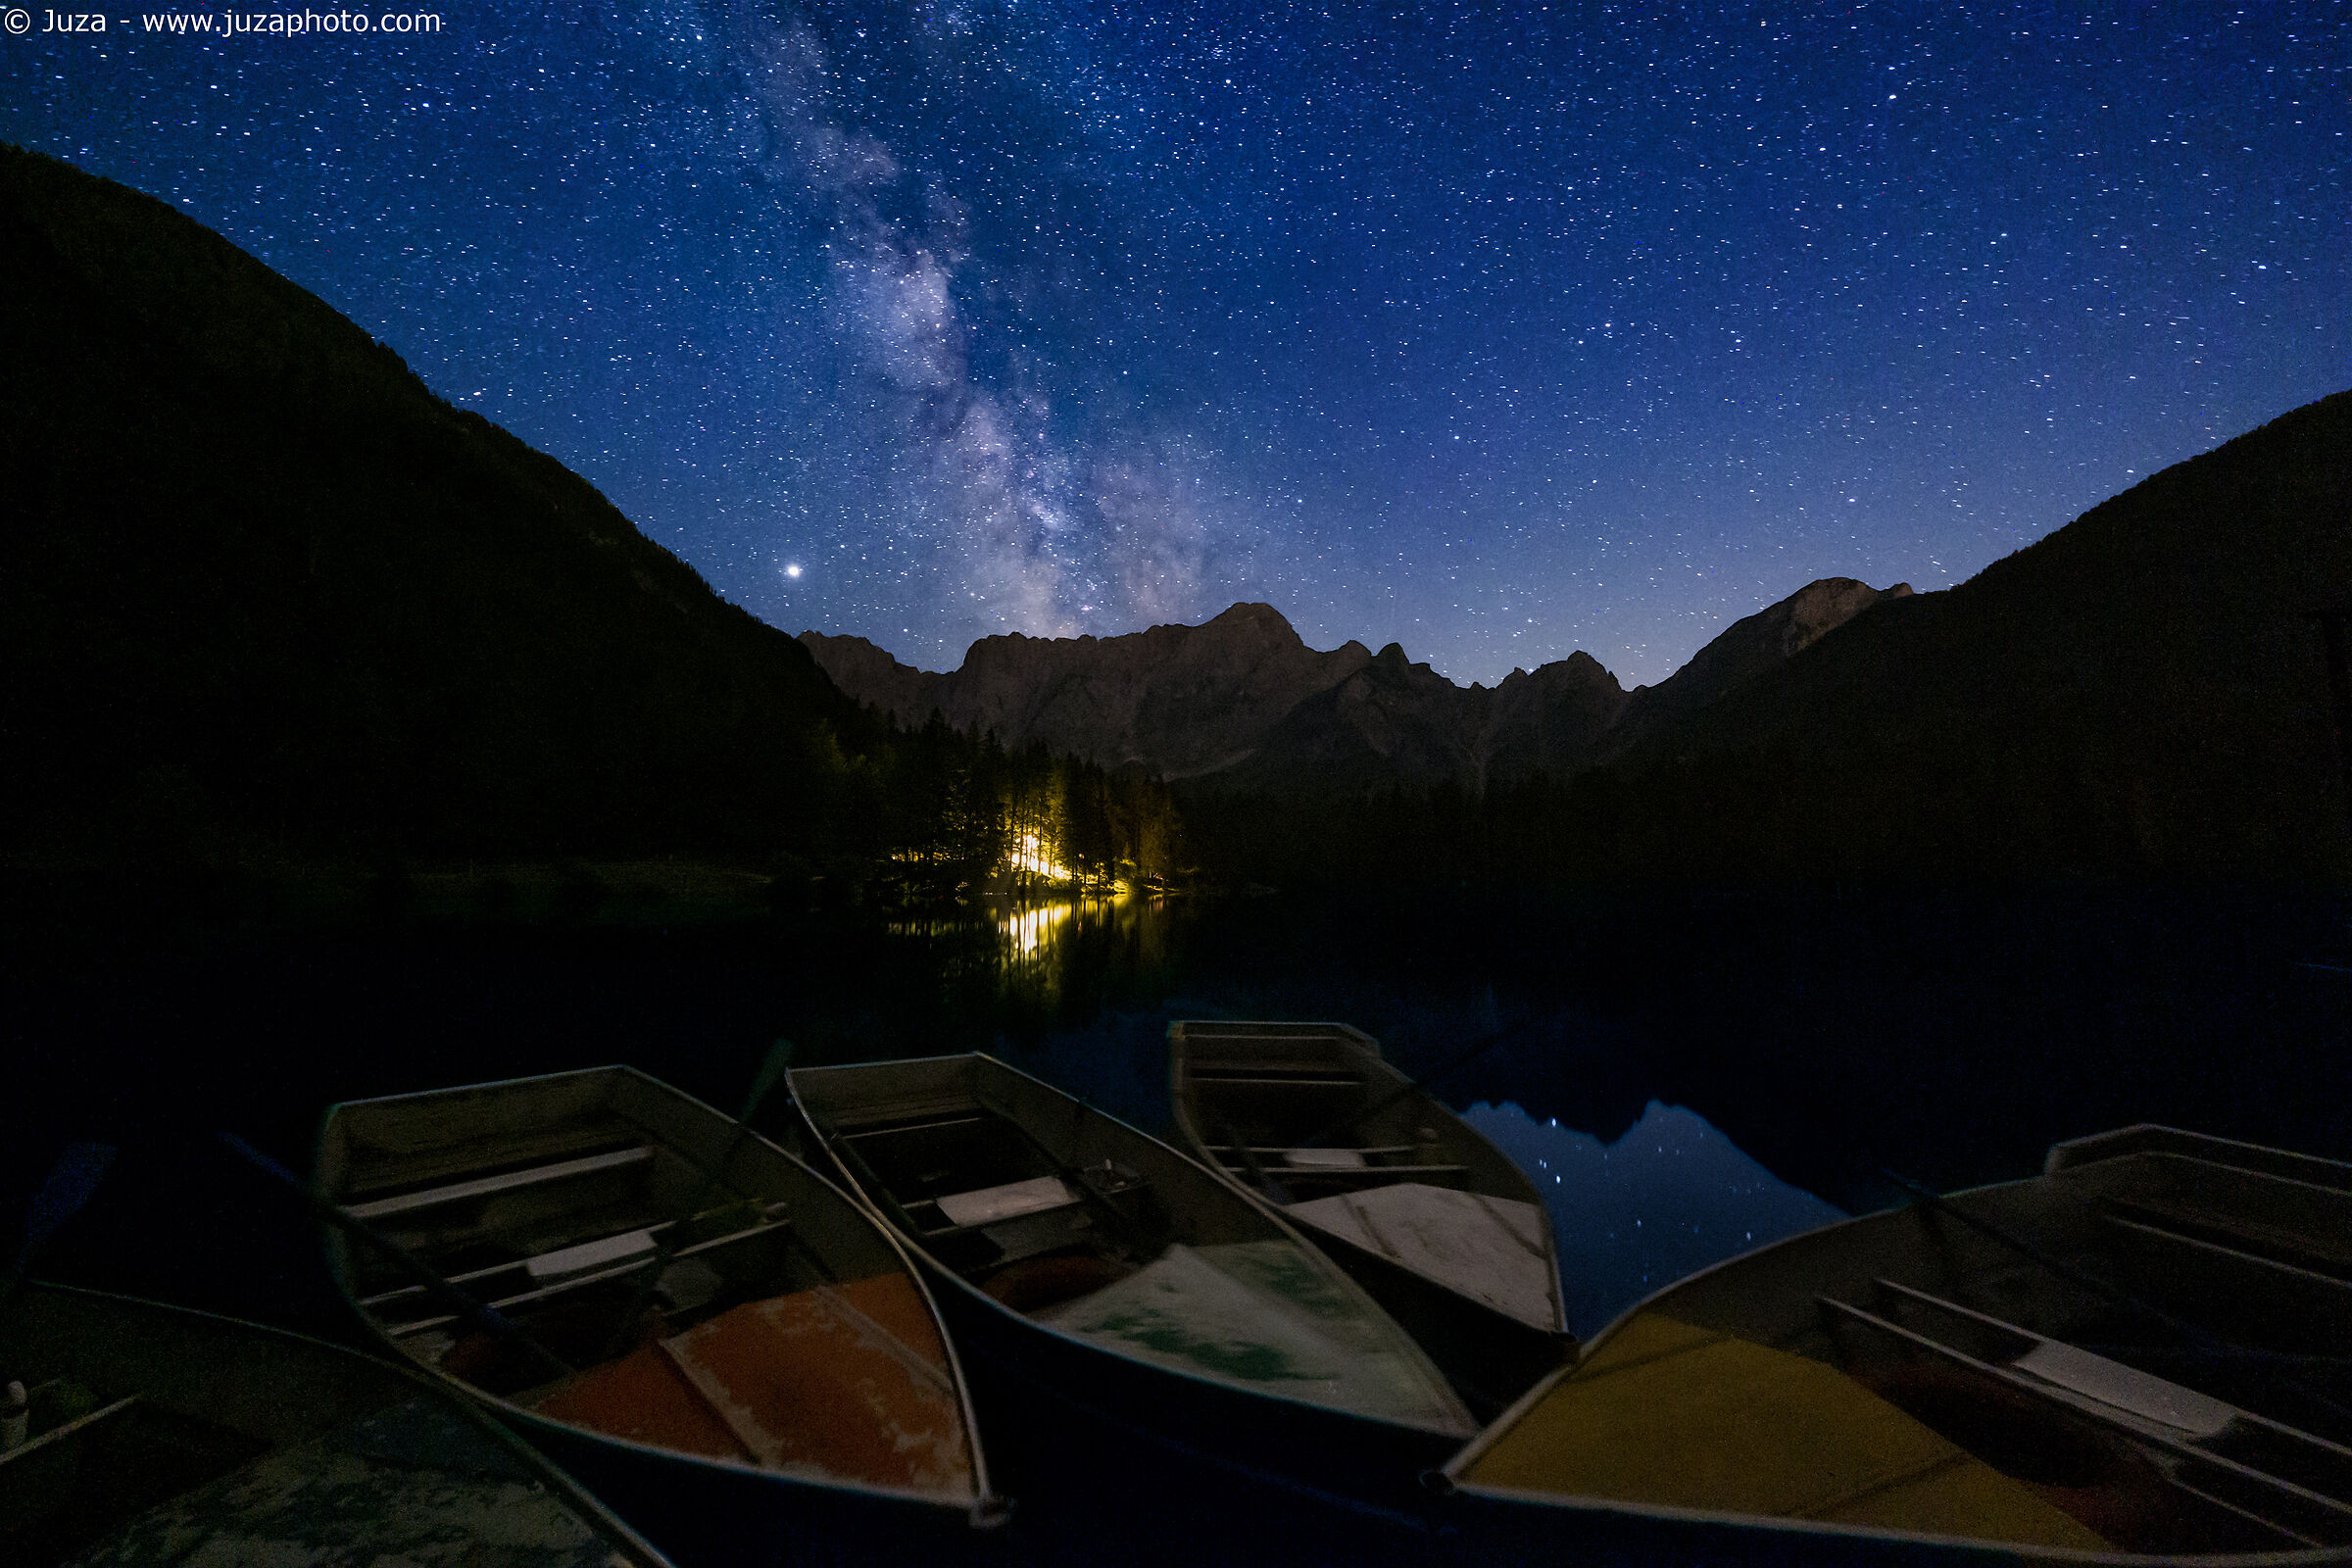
1500, 331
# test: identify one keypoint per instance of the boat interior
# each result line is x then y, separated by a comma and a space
2151, 1338
1032, 1223
652, 1251
150, 1434
1066, 1216
94, 1453
1308, 1111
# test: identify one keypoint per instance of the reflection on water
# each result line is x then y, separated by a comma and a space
1036, 964
1079, 989
1672, 1195
1029, 928
1668, 1199
1825, 1037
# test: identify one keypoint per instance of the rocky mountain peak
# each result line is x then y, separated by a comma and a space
1747, 648
1242, 697
1175, 700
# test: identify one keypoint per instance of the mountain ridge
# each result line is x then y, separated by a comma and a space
1240, 702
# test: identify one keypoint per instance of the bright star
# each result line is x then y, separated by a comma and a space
792, 570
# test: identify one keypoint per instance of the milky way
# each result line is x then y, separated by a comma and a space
1499, 331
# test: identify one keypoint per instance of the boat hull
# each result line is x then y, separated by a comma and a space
1490, 1355
698, 1507
1059, 1403
729, 1517
2072, 1352
224, 1440
1144, 1420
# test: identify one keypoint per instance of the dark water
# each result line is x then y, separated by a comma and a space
1685, 1075
1751, 1041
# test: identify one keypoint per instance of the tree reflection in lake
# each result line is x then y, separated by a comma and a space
1951, 1035
1023, 969
1671, 1195
1688, 1042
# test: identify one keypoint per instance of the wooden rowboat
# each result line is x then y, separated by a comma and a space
754, 1355
1080, 1258
2143, 1355
1443, 1228
157, 1434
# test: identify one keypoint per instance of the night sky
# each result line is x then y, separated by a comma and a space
1500, 331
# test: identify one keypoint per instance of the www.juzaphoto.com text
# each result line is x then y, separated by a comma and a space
220, 23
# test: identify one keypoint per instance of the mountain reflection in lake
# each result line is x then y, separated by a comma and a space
1671, 1195
1950, 1035
1666, 1200
1711, 1058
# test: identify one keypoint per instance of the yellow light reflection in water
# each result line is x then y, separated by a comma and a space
1022, 950
1029, 928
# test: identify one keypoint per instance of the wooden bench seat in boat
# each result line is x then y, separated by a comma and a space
479, 1187
1262, 1077
430, 1154
2293, 1485
572, 1268
1374, 1162
987, 1206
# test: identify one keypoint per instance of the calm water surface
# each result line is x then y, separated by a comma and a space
1685, 1075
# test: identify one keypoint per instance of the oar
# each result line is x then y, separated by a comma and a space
1266, 1183
481, 1313
70, 1184
2203, 1339
649, 1272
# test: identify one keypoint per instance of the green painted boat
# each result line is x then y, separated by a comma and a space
2142, 1355
1081, 1258
155, 1434
1443, 1228
750, 1354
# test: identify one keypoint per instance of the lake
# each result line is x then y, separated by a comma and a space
1686, 1073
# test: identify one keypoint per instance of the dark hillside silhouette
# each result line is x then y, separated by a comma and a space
262, 587
2142, 691
264, 594
2144, 695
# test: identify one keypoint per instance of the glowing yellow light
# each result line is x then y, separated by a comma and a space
1029, 928
1031, 856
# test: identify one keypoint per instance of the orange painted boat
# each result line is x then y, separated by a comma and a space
741, 1339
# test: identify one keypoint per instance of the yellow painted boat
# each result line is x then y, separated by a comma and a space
2139, 1357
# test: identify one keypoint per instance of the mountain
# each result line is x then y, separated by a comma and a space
1397, 723
261, 587
2144, 691
1176, 701
1749, 648
1240, 704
